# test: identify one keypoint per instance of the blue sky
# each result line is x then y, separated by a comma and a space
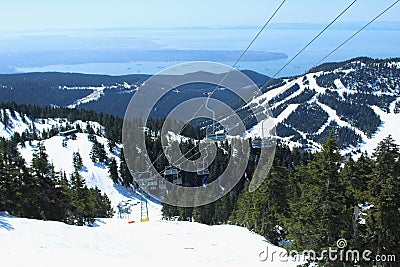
28, 15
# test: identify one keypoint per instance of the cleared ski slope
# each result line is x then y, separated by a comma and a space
114, 242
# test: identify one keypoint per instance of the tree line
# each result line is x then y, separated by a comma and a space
311, 200
308, 200
39, 192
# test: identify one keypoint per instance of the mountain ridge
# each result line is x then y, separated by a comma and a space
353, 98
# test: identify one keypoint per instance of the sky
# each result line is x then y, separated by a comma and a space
44, 15
31, 28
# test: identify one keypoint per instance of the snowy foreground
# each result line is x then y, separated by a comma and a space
115, 242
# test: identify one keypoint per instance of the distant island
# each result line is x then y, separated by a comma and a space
109, 55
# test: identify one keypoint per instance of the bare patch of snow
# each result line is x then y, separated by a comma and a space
97, 93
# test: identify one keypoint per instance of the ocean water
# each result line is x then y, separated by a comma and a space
376, 42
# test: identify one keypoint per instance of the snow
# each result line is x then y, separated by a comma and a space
286, 113
171, 136
341, 89
126, 85
362, 209
347, 71
95, 174
114, 242
264, 98
334, 117
15, 125
394, 64
21, 123
97, 93
390, 125
313, 82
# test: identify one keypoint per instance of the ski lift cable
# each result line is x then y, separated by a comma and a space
238, 59
290, 61
234, 65
337, 47
302, 50
315, 38
330, 53
357, 32
297, 54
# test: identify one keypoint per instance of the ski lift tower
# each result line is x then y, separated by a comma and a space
144, 211
144, 179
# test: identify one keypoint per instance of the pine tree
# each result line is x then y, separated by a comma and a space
223, 209
263, 210
77, 161
98, 153
5, 119
94, 153
40, 165
318, 218
383, 218
89, 129
355, 175
65, 200
78, 199
124, 172
102, 154
92, 138
113, 170
12, 174
111, 145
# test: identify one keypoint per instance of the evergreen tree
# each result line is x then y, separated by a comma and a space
113, 170
320, 217
111, 145
40, 165
12, 178
77, 161
89, 129
223, 209
355, 176
124, 172
98, 153
92, 138
5, 119
263, 210
383, 218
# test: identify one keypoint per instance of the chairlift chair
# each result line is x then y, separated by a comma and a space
264, 140
145, 180
174, 173
202, 173
259, 142
215, 134
202, 170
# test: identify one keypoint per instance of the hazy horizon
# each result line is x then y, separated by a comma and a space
43, 35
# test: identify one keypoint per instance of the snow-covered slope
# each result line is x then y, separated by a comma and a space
97, 93
358, 99
19, 123
114, 242
95, 174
